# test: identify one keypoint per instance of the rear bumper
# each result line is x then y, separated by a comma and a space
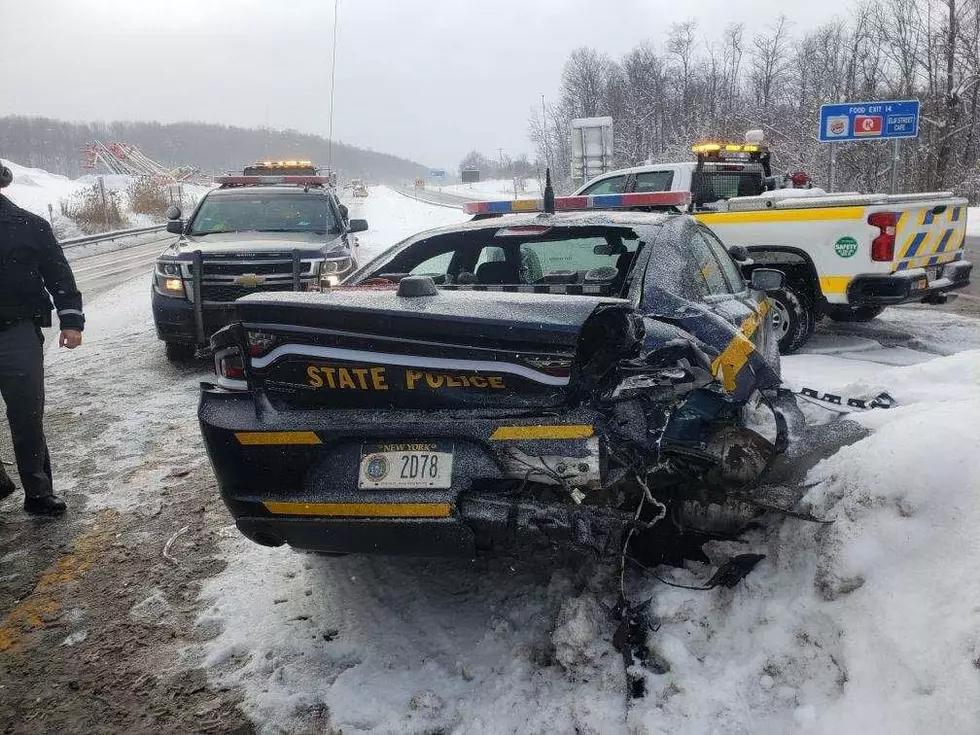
300, 487
906, 286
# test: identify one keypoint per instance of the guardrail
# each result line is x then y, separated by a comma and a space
109, 236
422, 197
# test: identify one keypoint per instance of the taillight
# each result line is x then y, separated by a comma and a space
260, 343
883, 246
229, 366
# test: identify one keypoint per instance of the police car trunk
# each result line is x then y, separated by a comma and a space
370, 420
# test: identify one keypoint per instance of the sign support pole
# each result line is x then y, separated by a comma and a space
896, 163
831, 172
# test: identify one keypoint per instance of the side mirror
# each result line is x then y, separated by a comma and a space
767, 279
357, 225
740, 254
175, 226
344, 212
173, 212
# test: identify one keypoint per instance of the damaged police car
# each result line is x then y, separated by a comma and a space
574, 378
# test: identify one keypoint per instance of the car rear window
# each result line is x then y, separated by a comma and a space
580, 255
654, 181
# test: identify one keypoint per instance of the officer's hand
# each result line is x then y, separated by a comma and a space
70, 338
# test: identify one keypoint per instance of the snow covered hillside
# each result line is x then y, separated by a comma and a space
36, 190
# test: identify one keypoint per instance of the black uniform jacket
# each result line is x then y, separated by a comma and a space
32, 266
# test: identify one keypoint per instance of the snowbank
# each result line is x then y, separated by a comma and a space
871, 624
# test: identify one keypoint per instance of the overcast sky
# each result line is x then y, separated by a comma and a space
424, 79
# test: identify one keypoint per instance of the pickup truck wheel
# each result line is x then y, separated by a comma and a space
854, 313
179, 351
793, 318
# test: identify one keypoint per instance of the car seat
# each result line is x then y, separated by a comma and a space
497, 272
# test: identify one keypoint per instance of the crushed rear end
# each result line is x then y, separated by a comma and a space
363, 421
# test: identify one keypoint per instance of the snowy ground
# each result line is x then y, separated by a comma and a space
492, 189
870, 624
391, 218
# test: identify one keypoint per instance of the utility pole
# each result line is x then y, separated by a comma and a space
333, 77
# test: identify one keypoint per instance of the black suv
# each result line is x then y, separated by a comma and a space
254, 233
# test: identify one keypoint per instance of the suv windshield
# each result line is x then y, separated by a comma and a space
264, 212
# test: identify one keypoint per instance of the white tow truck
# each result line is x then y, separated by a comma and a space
846, 256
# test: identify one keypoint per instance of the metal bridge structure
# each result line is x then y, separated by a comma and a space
125, 158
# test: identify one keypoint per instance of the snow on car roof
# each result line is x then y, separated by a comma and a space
592, 218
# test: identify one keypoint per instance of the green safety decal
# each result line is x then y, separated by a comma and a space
846, 246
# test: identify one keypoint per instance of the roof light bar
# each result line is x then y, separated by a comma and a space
707, 148
281, 164
259, 180
575, 204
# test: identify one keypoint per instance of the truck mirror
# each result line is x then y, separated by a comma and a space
173, 212
175, 226
344, 212
767, 279
357, 225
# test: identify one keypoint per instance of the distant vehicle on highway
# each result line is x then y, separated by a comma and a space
846, 256
512, 381
358, 189
261, 231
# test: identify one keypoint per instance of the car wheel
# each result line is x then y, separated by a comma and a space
854, 313
793, 319
179, 351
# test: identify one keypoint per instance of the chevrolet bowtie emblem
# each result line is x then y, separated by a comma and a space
249, 280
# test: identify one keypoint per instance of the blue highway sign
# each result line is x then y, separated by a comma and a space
869, 121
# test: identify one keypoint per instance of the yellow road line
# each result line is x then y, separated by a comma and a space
260, 438
361, 510
561, 431
44, 603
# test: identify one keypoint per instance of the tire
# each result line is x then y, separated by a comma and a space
771, 355
179, 351
793, 318
854, 313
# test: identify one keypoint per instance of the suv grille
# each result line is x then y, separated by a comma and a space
225, 292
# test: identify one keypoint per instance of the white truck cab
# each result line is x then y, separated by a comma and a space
846, 256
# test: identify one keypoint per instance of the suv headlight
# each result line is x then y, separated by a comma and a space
335, 265
167, 280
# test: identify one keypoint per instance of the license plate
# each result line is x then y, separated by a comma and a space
400, 466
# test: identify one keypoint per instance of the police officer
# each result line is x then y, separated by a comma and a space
32, 266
